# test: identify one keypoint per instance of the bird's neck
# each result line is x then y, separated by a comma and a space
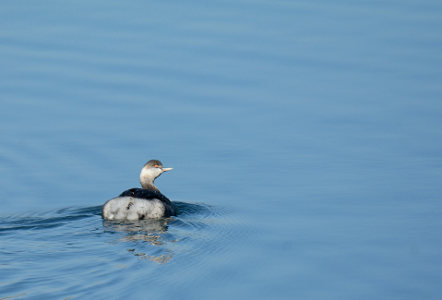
148, 184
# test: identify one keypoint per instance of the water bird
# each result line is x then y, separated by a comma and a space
141, 203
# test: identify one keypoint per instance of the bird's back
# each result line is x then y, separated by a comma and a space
138, 204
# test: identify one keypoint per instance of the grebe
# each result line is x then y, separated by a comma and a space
139, 204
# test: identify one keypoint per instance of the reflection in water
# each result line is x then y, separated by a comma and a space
133, 227
161, 259
138, 232
149, 239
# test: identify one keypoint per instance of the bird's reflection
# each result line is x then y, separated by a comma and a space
151, 231
161, 259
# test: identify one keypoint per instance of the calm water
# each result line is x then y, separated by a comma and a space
306, 141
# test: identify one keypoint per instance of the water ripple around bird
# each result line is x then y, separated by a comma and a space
57, 241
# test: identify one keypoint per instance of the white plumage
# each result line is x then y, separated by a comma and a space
129, 208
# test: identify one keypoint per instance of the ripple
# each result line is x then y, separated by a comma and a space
185, 208
74, 240
43, 221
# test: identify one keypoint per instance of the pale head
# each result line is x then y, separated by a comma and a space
151, 170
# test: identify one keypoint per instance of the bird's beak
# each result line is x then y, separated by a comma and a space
167, 169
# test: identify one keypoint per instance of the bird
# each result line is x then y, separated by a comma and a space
141, 203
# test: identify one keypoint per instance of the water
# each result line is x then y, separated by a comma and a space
305, 138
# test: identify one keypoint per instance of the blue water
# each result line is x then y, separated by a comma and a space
305, 137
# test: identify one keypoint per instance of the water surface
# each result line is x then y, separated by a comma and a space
305, 139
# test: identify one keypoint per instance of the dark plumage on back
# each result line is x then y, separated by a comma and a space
144, 194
